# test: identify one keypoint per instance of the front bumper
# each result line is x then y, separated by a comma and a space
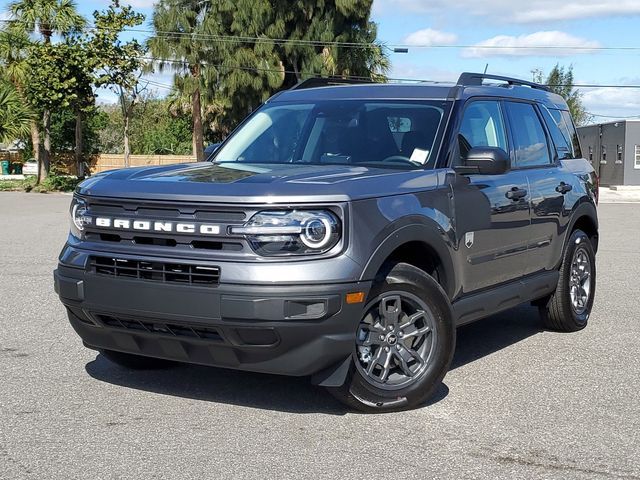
282, 329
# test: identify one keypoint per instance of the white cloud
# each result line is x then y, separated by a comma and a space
430, 37
422, 71
614, 102
547, 43
518, 11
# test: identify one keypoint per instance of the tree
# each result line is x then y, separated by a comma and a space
14, 50
60, 78
186, 53
15, 117
560, 81
48, 18
315, 33
120, 63
63, 129
232, 55
156, 128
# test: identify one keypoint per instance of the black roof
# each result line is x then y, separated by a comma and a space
469, 85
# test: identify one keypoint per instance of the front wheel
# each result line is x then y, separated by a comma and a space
404, 343
569, 307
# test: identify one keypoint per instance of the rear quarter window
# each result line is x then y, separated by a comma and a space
563, 122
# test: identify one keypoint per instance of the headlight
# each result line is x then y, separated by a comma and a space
79, 217
297, 232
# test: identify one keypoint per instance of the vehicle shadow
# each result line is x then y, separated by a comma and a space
482, 338
297, 395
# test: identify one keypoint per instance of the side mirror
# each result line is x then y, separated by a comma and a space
485, 161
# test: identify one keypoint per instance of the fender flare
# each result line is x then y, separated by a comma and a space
584, 209
425, 231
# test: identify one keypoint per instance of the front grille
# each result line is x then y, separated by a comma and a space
161, 328
181, 244
156, 271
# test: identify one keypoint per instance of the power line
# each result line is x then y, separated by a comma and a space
355, 77
616, 117
321, 43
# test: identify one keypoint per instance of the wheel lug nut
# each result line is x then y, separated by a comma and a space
400, 333
398, 347
390, 328
386, 349
381, 337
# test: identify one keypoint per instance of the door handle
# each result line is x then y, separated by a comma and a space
564, 188
516, 194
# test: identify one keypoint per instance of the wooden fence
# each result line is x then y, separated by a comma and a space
102, 162
65, 163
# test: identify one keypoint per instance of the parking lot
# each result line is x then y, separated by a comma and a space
519, 402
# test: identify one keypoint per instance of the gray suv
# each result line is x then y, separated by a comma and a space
342, 232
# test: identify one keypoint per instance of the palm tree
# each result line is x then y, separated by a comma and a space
15, 117
14, 44
185, 54
48, 18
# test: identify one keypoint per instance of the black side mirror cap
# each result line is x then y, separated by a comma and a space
485, 161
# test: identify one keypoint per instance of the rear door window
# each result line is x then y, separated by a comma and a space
530, 140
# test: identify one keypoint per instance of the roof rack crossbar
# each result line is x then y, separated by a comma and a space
475, 79
327, 82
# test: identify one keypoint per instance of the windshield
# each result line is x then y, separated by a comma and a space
353, 132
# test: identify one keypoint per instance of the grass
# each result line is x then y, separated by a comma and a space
53, 183
17, 185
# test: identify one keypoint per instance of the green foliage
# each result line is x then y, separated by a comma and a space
15, 117
47, 17
17, 185
561, 81
226, 49
344, 21
63, 125
56, 182
60, 75
118, 63
155, 129
14, 43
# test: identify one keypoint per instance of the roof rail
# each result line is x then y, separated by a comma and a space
474, 79
327, 82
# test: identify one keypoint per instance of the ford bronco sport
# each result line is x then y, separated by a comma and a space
342, 232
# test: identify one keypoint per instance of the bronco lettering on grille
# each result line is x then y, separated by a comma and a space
153, 226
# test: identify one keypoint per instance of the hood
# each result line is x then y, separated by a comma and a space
251, 183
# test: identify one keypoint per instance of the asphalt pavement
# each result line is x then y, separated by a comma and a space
519, 402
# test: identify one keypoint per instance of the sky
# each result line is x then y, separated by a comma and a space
430, 28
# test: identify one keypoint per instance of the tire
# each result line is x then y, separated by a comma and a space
559, 311
136, 362
418, 347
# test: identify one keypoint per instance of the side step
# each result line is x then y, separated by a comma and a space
480, 305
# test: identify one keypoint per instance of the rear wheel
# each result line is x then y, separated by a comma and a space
404, 343
569, 307
136, 362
